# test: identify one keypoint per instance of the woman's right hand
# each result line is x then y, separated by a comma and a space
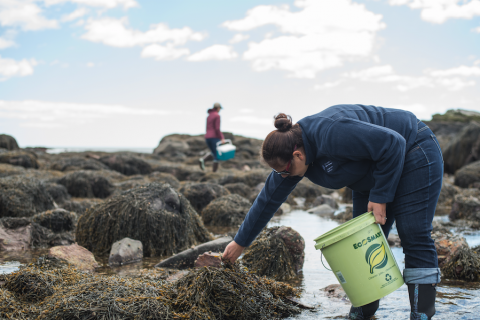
232, 251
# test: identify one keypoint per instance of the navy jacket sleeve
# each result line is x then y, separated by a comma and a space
273, 194
353, 139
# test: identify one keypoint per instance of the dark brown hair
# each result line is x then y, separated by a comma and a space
277, 148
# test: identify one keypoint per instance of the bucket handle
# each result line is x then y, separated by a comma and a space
321, 258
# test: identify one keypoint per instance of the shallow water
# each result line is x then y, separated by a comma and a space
455, 300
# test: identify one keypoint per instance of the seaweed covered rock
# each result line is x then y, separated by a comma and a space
155, 214
181, 172
465, 265
58, 192
278, 252
232, 293
447, 246
57, 220
250, 178
23, 197
127, 164
10, 170
162, 177
201, 194
21, 158
80, 205
87, 184
464, 149
239, 188
8, 142
226, 211
77, 163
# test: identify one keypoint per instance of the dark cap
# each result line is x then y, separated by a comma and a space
217, 105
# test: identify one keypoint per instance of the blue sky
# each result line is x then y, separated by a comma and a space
124, 73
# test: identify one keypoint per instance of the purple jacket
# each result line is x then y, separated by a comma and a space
213, 125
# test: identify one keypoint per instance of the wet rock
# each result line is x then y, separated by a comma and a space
323, 210
186, 259
464, 149
325, 199
344, 215
335, 291
79, 205
57, 220
23, 197
226, 211
394, 240
76, 255
10, 170
239, 188
58, 192
209, 259
17, 239
77, 163
468, 175
307, 190
278, 253
286, 208
125, 251
87, 184
447, 246
8, 142
201, 194
345, 195
465, 207
21, 158
126, 164
155, 214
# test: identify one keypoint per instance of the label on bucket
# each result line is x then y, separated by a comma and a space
340, 277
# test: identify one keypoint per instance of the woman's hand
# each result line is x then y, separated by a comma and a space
232, 251
379, 211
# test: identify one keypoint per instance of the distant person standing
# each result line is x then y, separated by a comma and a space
213, 136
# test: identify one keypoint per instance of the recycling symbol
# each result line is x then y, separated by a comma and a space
388, 277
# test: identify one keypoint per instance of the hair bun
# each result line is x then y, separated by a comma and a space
283, 122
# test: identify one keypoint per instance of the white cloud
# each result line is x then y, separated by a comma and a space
24, 14
74, 15
114, 32
13, 68
5, 43
245, 110
477, 30
322, 35
90, 64
239, 38
459, 71
439, 11
168, 52
215, 52
432, 79
108, 4
422, 111
58, 112
327, 85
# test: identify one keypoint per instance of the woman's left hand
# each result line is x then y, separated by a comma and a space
379, 211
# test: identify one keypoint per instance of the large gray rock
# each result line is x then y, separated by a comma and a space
201, 194
125, 251
468, 175
186, 259
464, 149
8, 142
465, 207
323, 210
325, 199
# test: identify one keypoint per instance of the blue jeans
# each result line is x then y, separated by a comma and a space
414, 207
212, 144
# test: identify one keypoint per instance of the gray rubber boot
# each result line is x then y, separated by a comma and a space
422, 301
363, 312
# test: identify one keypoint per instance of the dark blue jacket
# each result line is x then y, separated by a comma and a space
362, 147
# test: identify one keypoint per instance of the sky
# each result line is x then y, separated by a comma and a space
125, 73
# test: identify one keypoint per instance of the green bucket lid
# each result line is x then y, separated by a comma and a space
344, 230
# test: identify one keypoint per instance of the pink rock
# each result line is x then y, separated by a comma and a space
15, 239
335, 291
209, 259
447, 246
76, 255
